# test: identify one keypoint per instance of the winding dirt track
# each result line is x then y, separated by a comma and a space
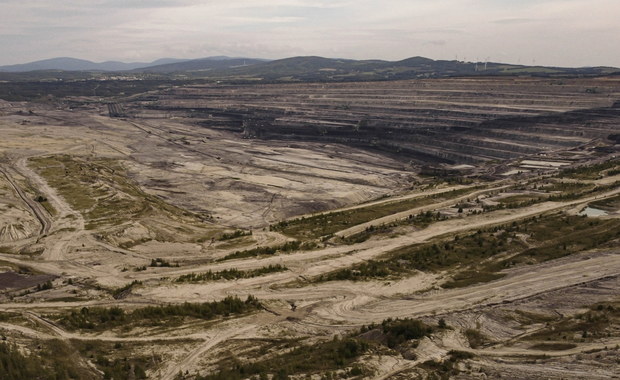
521, 284
336, 306
37, 210
404, 214
67, 219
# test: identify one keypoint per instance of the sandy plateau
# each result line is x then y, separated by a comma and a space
112, 228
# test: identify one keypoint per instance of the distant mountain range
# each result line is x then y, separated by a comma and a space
305, 69
159, 66
288, 69
199, 65
73, 64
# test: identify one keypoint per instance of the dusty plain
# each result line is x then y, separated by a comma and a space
453, 228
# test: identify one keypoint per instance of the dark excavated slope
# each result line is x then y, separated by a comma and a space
448, 120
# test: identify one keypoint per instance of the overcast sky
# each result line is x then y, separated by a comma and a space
544, 32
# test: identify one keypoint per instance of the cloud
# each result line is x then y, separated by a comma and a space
554, 32
436, 42
506, 21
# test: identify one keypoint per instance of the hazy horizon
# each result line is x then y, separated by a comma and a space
273, 59
567, 33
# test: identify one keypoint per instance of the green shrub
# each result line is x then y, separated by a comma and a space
98, 318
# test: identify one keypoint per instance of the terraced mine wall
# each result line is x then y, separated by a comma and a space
451, 120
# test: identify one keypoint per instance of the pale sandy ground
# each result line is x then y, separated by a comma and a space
251, 184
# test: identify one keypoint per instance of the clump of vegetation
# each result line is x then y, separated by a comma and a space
471, 256
364, 271
591, 171
326, 224
601, 321
420, 220
475, 338
555, 192
333, 359
117, 360
234, 235
53, 361
514, 203
467, 250
559, 236
553, 346
161, 263
319, 358
230, 274
133, 243
611, 203
102, 192
47, 285
123, 290
444, 369
289, 246
15, 365
399, 331
46, 204
98, 318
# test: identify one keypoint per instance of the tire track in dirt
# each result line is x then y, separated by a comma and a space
69, 220
37, 210
521, 284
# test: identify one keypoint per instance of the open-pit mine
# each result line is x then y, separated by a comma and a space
461, 228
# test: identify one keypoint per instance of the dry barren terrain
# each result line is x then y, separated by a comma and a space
453, 228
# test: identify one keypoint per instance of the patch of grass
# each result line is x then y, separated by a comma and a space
611, 203
446, 369
476, 338
123, 290
133, 243
100, 319
528, 318
52, 360
118, 361
289, 246
6, 316
473, 257
398, 331
230, 274
461, 251
553, 346
326, 224
320, 358
18, 268
555, 192
591, 171
562, 236
420, 220
601, 321
460, 355
102, 192
8, 250
471, 277
48, 207
336, 358
67, 299
161, 263
520, 198
234, 235
567, 187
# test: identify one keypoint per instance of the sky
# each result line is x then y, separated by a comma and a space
571, 33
